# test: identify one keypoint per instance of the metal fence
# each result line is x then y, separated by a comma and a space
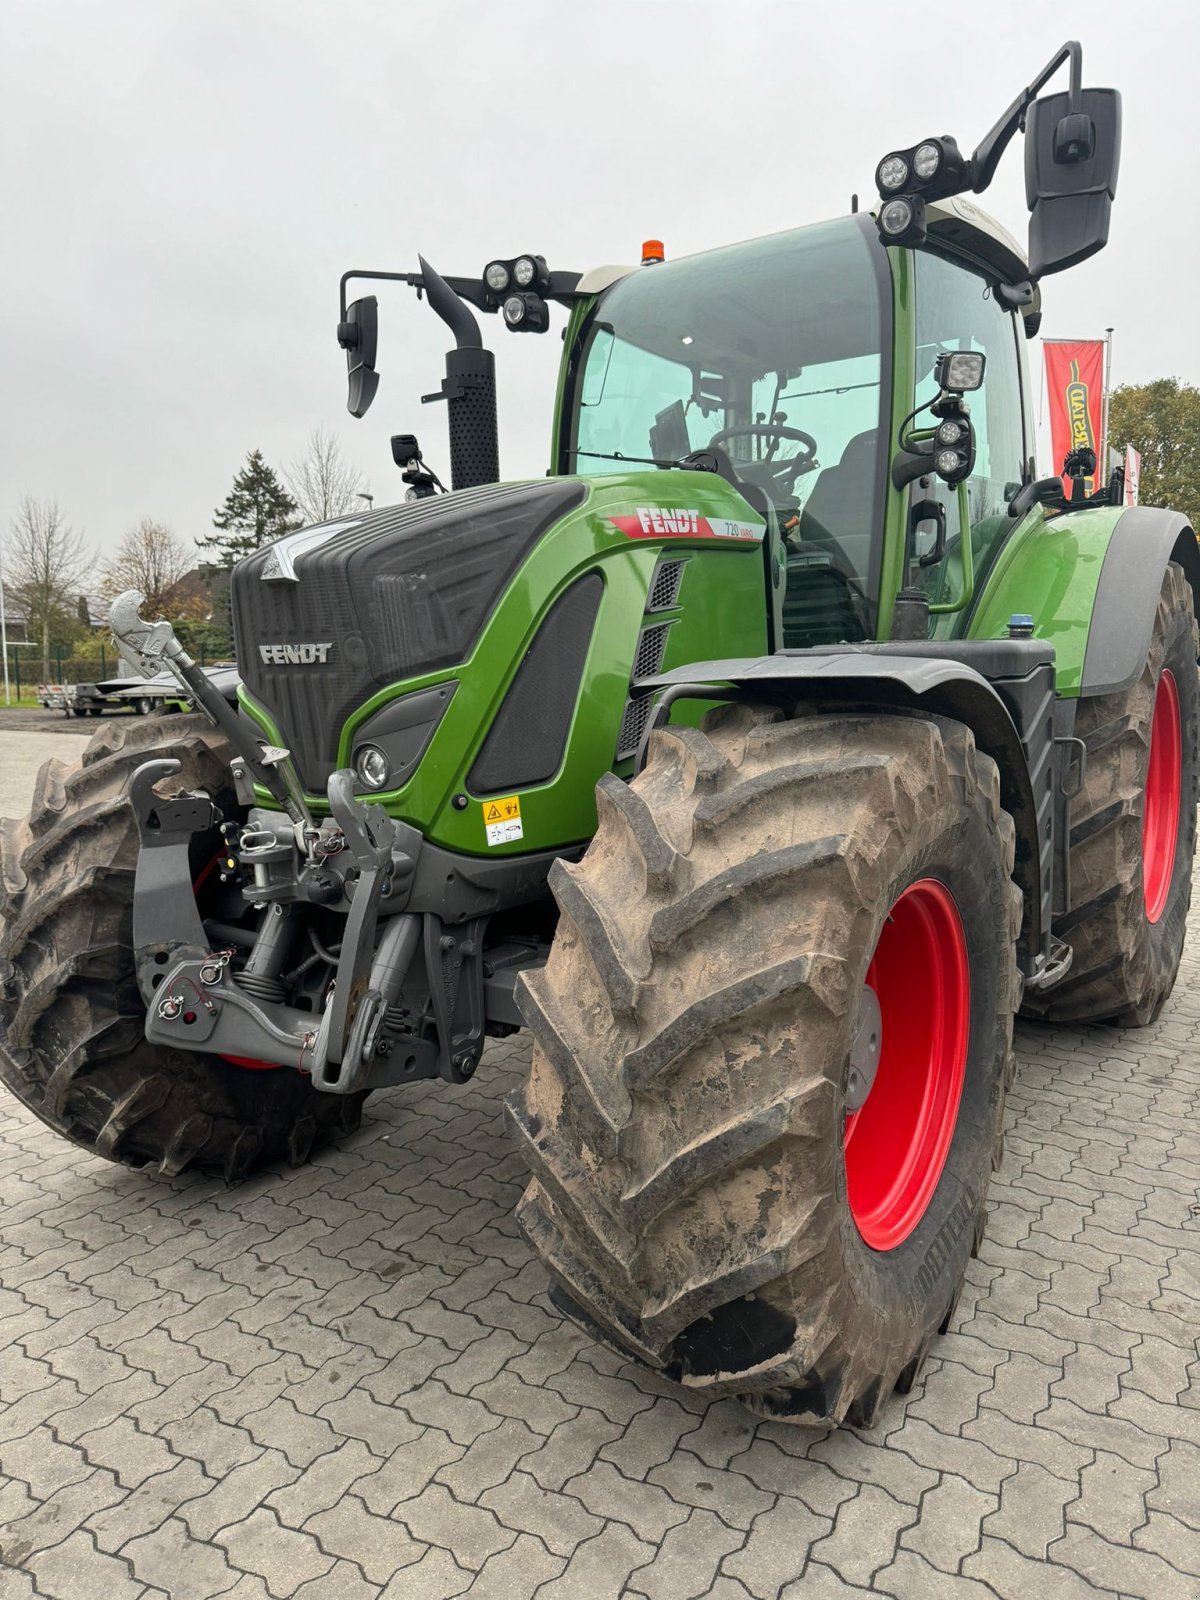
25, 667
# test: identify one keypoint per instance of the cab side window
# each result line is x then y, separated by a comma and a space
956, 310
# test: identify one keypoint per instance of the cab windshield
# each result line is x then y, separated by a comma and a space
770, 356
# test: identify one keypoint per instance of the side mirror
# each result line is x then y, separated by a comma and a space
1071, 159
359, 338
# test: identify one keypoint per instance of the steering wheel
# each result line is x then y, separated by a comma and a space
779, 475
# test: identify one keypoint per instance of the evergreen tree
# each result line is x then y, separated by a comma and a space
257, 509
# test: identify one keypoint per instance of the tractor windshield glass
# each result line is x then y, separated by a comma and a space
771, 352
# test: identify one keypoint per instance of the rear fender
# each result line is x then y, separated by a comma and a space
1090, 579
1144, 541
890, 677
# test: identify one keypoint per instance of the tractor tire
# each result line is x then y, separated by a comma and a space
72, 1046
700, 1194
1133, 833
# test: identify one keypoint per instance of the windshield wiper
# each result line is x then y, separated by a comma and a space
638, 461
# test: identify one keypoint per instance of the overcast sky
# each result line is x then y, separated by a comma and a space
183, 184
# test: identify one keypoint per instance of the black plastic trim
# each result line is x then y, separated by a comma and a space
1144, 540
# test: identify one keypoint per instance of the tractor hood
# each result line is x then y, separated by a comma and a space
327, 616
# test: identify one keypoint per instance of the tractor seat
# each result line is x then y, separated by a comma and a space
840, 510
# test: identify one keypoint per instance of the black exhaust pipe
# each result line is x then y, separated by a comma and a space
469, 388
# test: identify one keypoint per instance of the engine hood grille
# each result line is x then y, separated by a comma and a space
325, 618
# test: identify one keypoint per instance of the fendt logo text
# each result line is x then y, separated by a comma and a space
295, 655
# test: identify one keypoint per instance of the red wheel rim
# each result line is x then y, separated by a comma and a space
896, 1144
1164, 780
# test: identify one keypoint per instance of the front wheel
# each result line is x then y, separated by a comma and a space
143, 707
772, 1043
1133, 832
72, 1022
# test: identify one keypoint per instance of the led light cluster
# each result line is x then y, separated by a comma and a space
906, 179
517, 289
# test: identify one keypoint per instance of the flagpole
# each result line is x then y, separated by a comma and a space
1103, 463
4, 628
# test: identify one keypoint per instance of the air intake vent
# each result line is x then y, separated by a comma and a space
652, 645
664, 591
526, 741
633, 725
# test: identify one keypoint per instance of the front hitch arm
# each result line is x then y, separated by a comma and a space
155, 646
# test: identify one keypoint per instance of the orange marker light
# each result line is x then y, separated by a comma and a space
652, 251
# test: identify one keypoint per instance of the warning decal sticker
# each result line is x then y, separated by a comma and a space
502, 820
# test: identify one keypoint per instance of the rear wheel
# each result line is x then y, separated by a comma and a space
72, 1045
143, 707
772, 1042
1133, 833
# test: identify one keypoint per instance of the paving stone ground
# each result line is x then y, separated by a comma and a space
346, 1381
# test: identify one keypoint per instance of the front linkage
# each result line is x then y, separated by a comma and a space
413, 990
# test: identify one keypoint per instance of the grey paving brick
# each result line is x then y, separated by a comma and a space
558, 1520
864, 1535
473, 1532
541, 1409
435, 1577
239, 1493
910, 1577
126, 1451
343, 1581
490, 1460
948, 1526
1014, 1576
727, 1493
1030, 1515
43, 1462
283, 1557
1173, 1540
863, 1460
380, 1546
149, 1505
322, 1483
58, 1515
168, 1558
1129, 1571
688, 1558
75, 1568
642, 1506
600, 1568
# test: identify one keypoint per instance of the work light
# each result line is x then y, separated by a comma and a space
495, 275
891, 174
958, 371
949, 433
526, 313
926, 160
524, 271
896, 217
947, 462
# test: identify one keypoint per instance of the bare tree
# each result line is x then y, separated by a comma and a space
47, 565
322, 482
151, 558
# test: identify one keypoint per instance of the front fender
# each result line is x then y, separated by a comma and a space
926, 678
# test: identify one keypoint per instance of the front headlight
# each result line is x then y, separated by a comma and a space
371, 765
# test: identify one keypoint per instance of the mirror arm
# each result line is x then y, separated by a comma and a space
981, 168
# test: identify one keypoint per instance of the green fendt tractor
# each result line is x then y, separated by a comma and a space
762, 759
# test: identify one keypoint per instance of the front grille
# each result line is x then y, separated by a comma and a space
664, 591
633, 725
651, 647
526, 741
